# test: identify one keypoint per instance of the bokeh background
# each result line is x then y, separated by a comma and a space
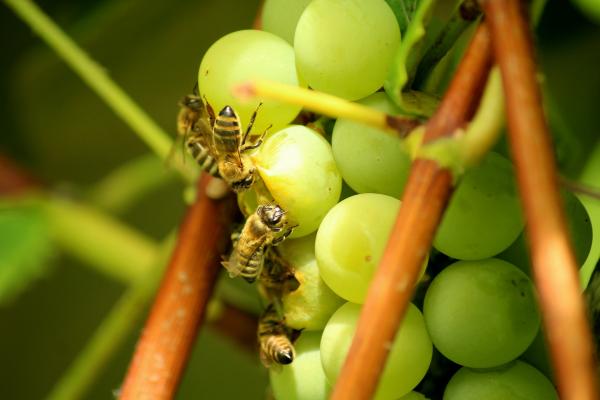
53, 125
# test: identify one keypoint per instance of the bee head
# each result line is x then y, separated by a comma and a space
192, 102
244, 183
270, 215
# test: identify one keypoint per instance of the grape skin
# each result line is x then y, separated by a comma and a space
517, 381
345, 47
481, 314
244, 55
409, 357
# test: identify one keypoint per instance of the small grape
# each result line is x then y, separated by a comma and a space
409, 357
484, 215
244, 55
297, 166
517, 380
369, 159
310, 306
481, 314
303, 379
351, 241
281, 17
345, 47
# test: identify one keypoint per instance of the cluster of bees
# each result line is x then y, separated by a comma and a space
217, 144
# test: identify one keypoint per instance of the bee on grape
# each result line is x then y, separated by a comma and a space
274, 339
277, 276
216, 142
268, 226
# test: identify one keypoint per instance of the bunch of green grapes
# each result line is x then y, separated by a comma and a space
340, 187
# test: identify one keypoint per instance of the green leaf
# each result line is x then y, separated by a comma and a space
404, 11
405, 64
25, 248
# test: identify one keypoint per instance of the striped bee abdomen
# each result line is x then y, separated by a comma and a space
252, 265
203, 157
227, 131
275, 345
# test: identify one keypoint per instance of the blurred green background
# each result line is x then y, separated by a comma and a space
59, 130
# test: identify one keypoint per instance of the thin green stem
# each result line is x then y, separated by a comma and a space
113, 331
96, 78
486, 126
101, 241
129, 182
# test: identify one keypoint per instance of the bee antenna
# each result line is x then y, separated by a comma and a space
196, 89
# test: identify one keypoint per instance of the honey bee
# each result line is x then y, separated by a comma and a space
194, 126
268, 226
274, 339
277, 277
216, 141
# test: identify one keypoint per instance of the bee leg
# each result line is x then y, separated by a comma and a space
258, 142
281, 238
251, 123
211, 112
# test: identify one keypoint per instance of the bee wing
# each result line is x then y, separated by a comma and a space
234, 265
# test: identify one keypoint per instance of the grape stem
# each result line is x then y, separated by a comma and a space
553, 262
180, 305
425, 197
327, 104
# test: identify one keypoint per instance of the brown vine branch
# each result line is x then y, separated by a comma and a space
237, 326
180, 305
425, 197
554, 265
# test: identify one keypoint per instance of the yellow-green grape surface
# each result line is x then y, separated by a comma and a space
481, 314
345, 47
484, 215
351, 241
310, 306
281, 17
303, 379
245, 55
371, 161
517, 381
297, 166
409, 357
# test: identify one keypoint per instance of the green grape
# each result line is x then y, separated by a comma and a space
351, 241
239, 57
297, 166
310, 306
516, 381
481, 314
303, 379
580, 232
281, 16
345, 47
409, 357
369, 159
484, 216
